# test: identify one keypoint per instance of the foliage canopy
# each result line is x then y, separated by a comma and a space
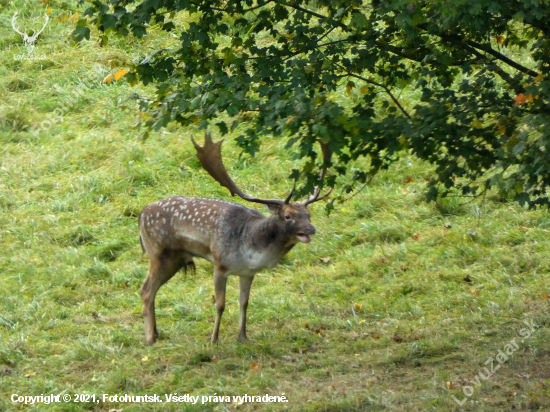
480, 70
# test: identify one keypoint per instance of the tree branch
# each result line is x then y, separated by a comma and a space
471, 45
503, 75
312, 13
488, 49
256, 7
326, 34
242, 11
379, 85
359, 190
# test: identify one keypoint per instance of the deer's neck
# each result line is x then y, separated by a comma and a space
251, 241
269, 233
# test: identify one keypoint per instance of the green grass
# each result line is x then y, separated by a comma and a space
414, 298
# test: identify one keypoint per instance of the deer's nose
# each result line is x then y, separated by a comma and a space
310, 230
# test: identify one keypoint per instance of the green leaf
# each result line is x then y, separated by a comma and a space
131, 78
518, 148
107, 21
358, 20
287, 72
139, 31
232, 109
169, 26
223, 128
403, 20
519, 16
80, 33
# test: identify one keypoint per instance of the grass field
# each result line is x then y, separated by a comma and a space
395, 305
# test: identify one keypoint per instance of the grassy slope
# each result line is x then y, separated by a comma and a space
388, 323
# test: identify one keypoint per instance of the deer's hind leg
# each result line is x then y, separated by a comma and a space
162, 267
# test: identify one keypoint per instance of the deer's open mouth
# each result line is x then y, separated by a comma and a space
302, 237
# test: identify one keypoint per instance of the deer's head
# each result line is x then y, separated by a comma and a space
294, 217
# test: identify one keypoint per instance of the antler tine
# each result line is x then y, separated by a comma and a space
13, 23
44, 26
36, 34
287, 200
327, 154
315, 194
315, 197
210, 157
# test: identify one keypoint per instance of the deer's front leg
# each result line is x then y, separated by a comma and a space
220, 281
245, 284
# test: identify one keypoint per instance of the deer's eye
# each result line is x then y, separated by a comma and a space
288, 217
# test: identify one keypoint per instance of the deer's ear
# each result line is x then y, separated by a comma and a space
274, 209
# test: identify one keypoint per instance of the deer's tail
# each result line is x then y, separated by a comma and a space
143, 250
142, 245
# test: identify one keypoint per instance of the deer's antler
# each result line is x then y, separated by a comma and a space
327, 154
35, 34
210, 157
315, 196
13, 23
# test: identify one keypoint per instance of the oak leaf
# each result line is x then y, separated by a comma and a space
520, 99
119, 74
539, 78
108, 79
500, 38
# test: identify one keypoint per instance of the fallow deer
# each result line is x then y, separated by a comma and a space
235, 239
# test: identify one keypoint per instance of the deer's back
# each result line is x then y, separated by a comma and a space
202, 227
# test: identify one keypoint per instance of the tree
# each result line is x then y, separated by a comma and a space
480, 69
